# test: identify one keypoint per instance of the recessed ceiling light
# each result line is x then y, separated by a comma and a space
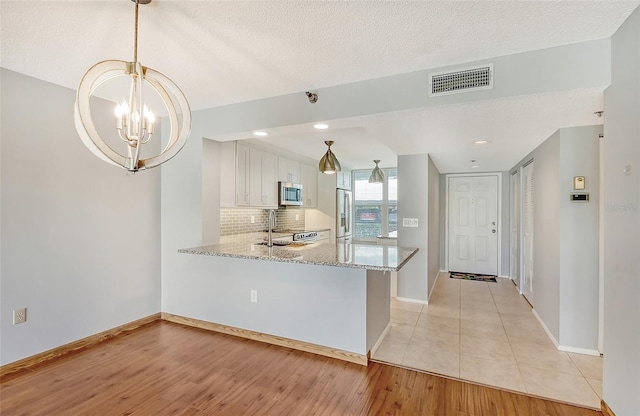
482, 142
260, 133
321, 126
475, 166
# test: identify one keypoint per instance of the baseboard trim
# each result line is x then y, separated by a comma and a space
549, 334
362, 359
606, 410
380, 339
410, 300
576, 350
75, 345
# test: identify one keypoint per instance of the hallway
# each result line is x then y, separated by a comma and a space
487, 334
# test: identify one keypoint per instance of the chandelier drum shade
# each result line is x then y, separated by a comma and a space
134, 122
329, 163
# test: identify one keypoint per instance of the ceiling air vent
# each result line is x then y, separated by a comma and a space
462, 80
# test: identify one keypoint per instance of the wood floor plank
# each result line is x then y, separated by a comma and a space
169, 369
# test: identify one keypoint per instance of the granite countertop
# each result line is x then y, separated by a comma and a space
360, 256
393, 235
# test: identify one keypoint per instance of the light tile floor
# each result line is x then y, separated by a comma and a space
486, 333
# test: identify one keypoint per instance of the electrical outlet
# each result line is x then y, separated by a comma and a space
19, 316
253, 219
297, 217
254, 296
410, 222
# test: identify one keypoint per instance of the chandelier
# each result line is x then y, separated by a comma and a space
329, 162
377, 176
134, 122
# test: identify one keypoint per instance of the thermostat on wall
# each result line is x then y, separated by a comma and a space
579, 197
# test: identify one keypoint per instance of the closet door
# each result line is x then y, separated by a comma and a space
514, 235
527, 231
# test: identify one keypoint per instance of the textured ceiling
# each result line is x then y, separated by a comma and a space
222, 52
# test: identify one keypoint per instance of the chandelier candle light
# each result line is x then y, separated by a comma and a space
134, 121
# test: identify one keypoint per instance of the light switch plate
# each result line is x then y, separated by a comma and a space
410, 222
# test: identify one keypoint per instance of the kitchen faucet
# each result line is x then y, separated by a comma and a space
272, 224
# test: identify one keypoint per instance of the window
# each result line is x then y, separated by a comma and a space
375, 204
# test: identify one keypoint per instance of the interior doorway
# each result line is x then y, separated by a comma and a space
472, 223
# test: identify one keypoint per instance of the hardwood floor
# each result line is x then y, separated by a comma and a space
168, 369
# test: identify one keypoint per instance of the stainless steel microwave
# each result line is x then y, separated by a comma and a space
289, 193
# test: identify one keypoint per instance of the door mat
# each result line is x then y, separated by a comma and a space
473, 276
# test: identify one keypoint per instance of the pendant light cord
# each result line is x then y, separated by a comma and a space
135, 37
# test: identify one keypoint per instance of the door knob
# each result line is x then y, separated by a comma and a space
493, 231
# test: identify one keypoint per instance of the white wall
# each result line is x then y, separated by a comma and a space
80, 238
556, 69
622, 223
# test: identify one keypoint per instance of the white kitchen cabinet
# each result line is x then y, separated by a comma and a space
309, 181
227, 174
344, 179
243, 174
263, 179
288, 170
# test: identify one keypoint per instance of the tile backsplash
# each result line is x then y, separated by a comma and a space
238, 220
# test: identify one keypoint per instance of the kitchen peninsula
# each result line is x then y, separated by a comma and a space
331, 299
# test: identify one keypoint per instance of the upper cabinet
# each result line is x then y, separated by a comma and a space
309, 181
288, 170
243, 174
263, 181
249, 177
343, 179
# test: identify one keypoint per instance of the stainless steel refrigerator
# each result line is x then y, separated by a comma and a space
344, 219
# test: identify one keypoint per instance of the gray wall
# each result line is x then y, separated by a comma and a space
413, 183
546, 233
579, 238
621, 148
80, 238
566, 236
433, 230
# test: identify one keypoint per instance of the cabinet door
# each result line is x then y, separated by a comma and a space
243, 163
309, 180
288, 170
255, 172
227, 174
269, 168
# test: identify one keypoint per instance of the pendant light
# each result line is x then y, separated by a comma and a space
133, 121
329, 163
377, 175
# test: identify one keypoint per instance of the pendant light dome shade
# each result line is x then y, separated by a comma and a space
329, 163
377, 175
134, 122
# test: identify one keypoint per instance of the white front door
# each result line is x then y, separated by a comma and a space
514, 237
527, 232
473, 229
